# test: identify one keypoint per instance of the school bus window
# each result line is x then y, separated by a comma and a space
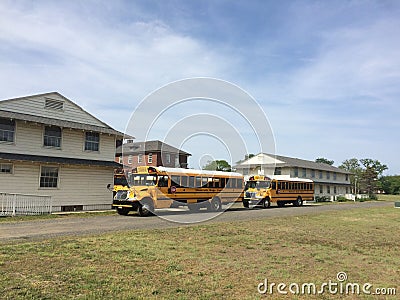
274, 185
222, 182
175, 181
120, 180
239, 183
233, 182
198, 181
228, 183
216, 182
144, 180
191, 181
184, 181
163, 181
204, 181
209, 182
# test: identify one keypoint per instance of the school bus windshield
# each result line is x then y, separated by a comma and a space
144, 179
257, 185
120, 180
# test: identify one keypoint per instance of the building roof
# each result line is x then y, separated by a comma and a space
57, 160
10, 109
147, 147
285, 161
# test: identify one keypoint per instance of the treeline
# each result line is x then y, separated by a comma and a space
390, 184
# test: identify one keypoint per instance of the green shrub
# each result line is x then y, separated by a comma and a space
321, 199
341, 199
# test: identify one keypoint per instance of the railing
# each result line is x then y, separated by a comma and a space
22, 204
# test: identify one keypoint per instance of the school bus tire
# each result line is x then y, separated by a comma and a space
215, 204
246, 203
123, 211
298, 202
146, 207
266, 202
280, 203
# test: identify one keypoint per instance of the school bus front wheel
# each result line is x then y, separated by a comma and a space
146, 207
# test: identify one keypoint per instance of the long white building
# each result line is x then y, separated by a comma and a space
329, 180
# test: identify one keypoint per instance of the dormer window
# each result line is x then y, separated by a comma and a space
54, 104
52, 136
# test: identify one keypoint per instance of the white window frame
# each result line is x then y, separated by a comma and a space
44, 135
150, 158
140, 158
129, 159
168, 158
58, 177
92, 142
13, 132
3, 168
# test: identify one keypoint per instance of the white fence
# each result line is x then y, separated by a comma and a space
21, 204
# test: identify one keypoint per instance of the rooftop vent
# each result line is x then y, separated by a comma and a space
54, 104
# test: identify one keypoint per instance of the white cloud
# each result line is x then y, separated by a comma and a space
92, 61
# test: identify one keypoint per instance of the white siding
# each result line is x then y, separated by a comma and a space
34, 105
29, 140
77, 185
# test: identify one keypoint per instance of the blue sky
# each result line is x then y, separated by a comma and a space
327, 73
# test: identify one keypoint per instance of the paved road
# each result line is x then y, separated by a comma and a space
43, 229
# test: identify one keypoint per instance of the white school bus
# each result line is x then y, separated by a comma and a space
279, 189
160, 187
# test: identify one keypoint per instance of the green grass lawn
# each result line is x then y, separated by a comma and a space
389, 197
224, 260
8, 219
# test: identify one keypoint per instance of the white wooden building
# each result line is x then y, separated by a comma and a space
329, 181
51, 146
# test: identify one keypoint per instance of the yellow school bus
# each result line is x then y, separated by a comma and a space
160, 187
281, 189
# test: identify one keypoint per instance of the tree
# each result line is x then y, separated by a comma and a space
322, 160
353, 166
373, 170
390, 184
366, 172
218, 165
